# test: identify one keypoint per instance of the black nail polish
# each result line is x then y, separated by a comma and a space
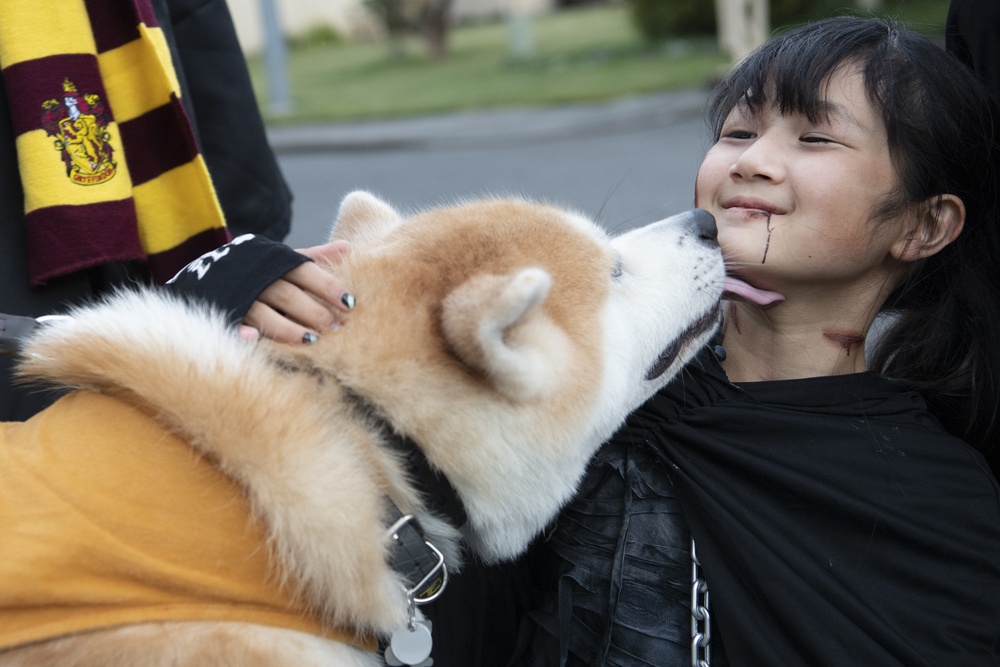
348, 300
309, 338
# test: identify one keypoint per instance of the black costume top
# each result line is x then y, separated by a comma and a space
836, 521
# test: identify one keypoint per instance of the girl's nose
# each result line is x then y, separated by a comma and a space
761, 159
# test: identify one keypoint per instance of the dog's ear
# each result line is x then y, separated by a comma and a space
495, 325
363, 217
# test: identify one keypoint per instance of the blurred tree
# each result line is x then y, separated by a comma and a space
402, 17
658, 20
391, 15
436, 16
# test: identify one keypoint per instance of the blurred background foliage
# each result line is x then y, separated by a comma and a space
659, 20
586, 51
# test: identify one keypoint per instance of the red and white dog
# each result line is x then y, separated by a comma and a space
203, 500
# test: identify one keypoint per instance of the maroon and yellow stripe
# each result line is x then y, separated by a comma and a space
160, 203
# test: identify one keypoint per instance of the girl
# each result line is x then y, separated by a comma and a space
824, 453
839, 516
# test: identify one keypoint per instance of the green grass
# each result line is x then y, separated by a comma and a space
580, 55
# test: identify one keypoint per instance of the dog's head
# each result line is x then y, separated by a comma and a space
509, 339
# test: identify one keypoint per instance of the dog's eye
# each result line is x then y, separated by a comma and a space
616, 271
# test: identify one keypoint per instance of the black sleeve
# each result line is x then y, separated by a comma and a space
224, 113
233, 276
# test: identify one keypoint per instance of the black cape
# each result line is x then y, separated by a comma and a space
836, 521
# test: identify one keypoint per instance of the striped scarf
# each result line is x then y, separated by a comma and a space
108, 160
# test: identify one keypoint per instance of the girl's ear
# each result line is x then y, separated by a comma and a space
939, 221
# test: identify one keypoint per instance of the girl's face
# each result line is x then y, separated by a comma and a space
794, 199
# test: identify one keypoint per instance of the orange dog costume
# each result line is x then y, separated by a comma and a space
108, 519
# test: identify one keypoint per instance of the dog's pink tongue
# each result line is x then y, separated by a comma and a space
735, 287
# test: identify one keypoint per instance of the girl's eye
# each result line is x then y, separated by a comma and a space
737, 134
811, 139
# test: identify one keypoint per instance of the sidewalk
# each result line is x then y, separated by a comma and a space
491, 128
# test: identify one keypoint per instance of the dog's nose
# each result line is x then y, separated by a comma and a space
703, 223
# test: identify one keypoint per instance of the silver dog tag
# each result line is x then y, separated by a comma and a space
392, 661
411, 644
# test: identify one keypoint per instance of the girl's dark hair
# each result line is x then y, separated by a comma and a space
943, 131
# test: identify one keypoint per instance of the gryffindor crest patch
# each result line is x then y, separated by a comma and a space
79, 123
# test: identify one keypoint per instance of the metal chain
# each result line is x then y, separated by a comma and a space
701, 620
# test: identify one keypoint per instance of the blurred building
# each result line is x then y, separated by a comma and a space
351, 19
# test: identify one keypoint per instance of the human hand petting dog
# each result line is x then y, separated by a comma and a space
303, 303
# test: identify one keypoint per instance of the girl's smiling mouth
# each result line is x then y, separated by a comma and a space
752, 206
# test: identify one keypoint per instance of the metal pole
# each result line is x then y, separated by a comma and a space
521, 41
280, 100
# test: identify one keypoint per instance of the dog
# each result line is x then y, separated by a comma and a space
204, 500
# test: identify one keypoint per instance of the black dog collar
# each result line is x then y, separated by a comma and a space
438, 493
419, 561
416, 559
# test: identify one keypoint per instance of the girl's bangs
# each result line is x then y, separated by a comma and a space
790, 73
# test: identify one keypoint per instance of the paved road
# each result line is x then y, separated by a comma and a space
625, 163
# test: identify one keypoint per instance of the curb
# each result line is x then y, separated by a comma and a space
491, 128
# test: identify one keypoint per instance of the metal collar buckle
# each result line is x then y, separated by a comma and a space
417, 559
